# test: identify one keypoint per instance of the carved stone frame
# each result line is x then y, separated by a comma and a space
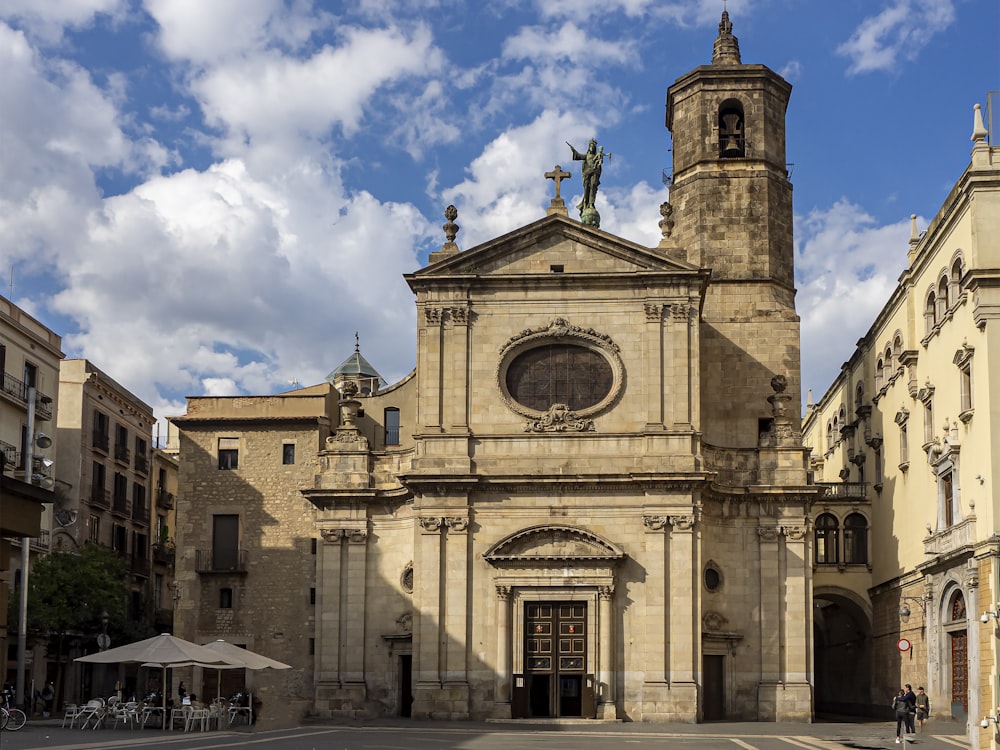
559, 330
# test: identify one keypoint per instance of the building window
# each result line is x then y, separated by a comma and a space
119, 539
930, 313
225, 542
947, 494
312, 646
225, 598
902, 419
826, 539
942, 298
955, 280
102, 426
313, 545
312, 596
392, 426
158, 591
139, 510
879, 477
879, 374
229, 453
95, 529
963, 360
928, 421
30, 375
120, 493
855, 539
121, 443
288, 454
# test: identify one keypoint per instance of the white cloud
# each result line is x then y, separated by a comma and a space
271, 96
899, 32
846, 268
205, 33
247, 281
56, 129
569, 42
47, 19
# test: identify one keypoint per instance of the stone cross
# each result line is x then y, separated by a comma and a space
557, 205
557, 175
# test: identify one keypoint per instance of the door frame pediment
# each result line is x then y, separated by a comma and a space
550, 544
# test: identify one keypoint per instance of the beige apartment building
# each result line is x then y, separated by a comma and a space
589, 498
29, 364
906, 575
115, 488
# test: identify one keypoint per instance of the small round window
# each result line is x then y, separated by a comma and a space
713, 577
559, 373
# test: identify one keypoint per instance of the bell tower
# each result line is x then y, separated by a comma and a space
732, 202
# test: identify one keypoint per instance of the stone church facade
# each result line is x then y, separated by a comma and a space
589, 498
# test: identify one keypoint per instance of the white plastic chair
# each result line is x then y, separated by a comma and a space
93, 711
71, 711
125, 713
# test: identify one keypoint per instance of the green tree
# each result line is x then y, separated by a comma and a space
68, 593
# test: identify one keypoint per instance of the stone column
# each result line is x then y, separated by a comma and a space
501, 687
797, 627
354, 600
427, 655
455, 609
429, 415
771, 624
683, 380
456, 373
329, 607
684, 620
606, 674
652, 365
654, 656
684, 656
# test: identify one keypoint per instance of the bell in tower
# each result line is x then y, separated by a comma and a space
731, 134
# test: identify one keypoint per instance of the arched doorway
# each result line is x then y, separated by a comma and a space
842, 629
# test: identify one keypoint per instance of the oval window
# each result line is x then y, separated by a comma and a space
559, 374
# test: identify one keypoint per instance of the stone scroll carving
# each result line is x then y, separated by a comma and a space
560, 418
430, 524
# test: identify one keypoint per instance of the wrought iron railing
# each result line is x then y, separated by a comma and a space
218, 561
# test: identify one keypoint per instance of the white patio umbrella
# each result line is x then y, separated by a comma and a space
160, 651
237, 657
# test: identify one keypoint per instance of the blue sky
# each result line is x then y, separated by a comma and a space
212, 197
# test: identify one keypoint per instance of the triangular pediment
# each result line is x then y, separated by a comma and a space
555, 242
549, 542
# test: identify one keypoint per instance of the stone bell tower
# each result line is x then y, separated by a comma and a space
732, 203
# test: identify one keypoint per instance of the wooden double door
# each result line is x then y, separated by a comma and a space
555, 682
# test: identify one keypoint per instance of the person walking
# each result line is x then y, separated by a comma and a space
901, 709
923, 707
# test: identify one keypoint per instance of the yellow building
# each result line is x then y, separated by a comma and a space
29, 365
906, 543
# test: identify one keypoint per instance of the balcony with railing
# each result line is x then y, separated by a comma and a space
41, 543
140, 513
100, 440
11, 454
141, 464
164, 553
218, 561
119, 505
100, 497
139, 566
16, 390
164, 499
851, 491
122, 453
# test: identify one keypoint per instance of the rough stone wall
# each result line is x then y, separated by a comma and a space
271, 610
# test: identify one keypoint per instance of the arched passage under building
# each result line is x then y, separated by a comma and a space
842, 629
